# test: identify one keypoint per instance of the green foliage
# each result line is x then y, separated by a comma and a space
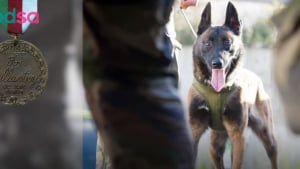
261, 34
285, 162
204, 166
185, 37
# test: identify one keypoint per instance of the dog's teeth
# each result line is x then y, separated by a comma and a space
203, 107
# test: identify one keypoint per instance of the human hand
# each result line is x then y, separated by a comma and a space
184, 4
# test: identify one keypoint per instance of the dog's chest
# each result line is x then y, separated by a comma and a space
216, 102
242, 90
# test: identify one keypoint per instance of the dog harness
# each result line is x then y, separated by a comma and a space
216, 102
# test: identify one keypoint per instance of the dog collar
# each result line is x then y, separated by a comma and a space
216, 102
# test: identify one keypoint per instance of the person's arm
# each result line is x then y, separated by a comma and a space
184, 4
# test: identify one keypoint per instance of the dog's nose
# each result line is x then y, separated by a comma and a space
217, 63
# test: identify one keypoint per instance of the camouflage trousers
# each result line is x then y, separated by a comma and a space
129, 87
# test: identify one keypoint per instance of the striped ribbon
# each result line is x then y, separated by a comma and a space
10, 10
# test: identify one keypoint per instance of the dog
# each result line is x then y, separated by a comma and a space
224, 94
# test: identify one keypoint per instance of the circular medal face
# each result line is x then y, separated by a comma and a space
23, 72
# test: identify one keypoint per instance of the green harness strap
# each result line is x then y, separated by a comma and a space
216, 102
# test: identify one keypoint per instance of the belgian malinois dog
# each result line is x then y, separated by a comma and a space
224, 94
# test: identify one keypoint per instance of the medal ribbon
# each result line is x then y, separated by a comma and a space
17, 15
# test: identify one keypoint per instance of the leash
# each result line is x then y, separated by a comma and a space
188, 22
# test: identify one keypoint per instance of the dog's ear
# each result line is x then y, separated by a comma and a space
205, 19
232, 21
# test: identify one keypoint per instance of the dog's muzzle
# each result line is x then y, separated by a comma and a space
218, 75
217, 63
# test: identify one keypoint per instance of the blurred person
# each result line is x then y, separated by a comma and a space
130, 88
171, 34
287, 62
103, 161
102, 158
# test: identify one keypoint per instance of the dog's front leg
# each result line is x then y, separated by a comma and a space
238, 145
198, 127
235, 123
198, 115
217, 147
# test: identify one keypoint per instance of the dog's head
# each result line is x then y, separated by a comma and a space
218, 49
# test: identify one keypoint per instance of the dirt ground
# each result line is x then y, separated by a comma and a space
259, 61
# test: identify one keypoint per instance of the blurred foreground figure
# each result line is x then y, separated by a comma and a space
129, 88
287, 62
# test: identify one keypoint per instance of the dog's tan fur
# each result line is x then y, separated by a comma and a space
238, 111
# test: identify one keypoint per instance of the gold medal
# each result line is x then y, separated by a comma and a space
23, 72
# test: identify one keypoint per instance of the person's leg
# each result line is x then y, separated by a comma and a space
130, 89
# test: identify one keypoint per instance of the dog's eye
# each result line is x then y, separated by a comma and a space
227, 44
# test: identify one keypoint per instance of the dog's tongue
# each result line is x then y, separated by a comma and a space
218, 79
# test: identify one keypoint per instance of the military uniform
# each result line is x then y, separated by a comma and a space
130, 89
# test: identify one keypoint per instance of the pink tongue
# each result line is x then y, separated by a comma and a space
218, 79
